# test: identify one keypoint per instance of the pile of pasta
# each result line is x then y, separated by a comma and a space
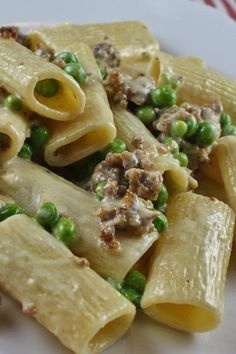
65, 288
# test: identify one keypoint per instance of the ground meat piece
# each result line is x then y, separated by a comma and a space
139, 89
122, 88
81, 262
59, 62
108, 240
44, 51
116, 88
206, 112
114, 160
14, 32
212, 112
129, 213
132, 180
8, 32
129, 160
168, 115
146, 184
107, 53
144, 161
29, 309
106, 170
138, 142
111, 188
115, 171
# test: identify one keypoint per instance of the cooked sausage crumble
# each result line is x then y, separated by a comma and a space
131, 182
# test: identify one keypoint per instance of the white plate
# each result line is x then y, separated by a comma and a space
184, 28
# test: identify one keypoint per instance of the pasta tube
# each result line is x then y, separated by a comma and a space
14, 127
145, 65
136, 45
93, 129
201, 85
21, 70
31, 185
60, 290
131, 38
128, 126
186, 282
226, 162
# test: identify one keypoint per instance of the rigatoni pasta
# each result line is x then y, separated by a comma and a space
225, 161
13, 130
132, 38
31, 185
201, 85
59, 289
90, 131
131, 144
128, 126
136, 45
21, 70
186, 281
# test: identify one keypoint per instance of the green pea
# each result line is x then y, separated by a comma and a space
183, 159
47, 87
225, 119
39, 136
102, 69
76, 71
162, 197
47, 215
114, 283
13, 103
136, 280
65, 230
9, 210
228, 130
163, 96
173, 143
68, 57
178, 128
132, 295
146, 114
206, 134
117, 146
99, 190
160, 222
25, 152
191, 126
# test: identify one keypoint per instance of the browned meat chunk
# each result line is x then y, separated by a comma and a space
132, 181
107, 53
122, 88
146, 184
130, 213
8, 32
44, 51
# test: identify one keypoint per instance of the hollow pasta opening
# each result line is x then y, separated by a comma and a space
84, 146
185, 317
64, 100
109, 333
